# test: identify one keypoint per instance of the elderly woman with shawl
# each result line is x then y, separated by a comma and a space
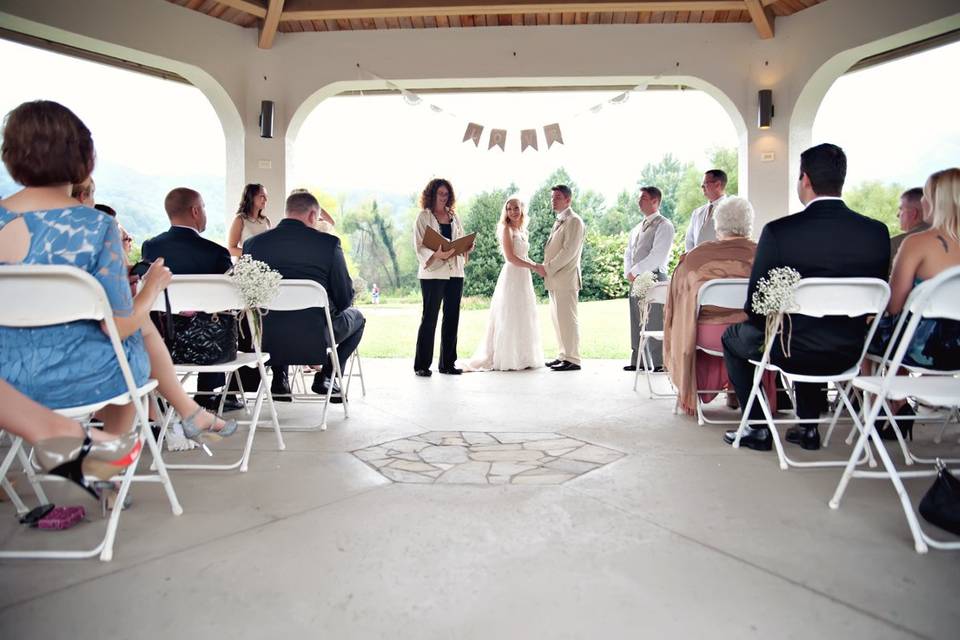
730, 256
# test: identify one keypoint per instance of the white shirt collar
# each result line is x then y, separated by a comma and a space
183, 226
719, 198
563, 215
818, 198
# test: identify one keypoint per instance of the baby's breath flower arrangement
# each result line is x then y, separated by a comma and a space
640, 289
258, 285
773, 298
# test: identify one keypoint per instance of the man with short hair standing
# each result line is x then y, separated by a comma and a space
298, 250
647, 250
701, 227
825, 240
561, 277
186, 252
910, 216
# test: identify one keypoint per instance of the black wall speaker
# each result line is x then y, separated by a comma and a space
765, 112
266, 119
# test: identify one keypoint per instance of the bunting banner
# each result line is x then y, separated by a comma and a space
528, 138
473, 133
498, 137
552, 134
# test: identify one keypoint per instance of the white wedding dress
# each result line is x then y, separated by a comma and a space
512, 339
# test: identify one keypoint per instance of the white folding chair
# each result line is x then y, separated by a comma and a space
44, 295
727, 293
819, 297
297, 295
937, 298
217, 294
657, 294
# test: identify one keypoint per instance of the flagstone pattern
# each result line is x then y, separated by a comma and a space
475, 457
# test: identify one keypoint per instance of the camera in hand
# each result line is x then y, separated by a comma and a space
140, 269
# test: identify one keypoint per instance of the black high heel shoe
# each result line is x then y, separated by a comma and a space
75, 459
904, 417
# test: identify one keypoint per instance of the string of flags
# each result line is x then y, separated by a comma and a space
497, 137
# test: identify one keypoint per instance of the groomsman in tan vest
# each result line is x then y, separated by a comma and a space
561, 276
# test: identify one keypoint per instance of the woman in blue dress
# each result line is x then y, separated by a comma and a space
47, 148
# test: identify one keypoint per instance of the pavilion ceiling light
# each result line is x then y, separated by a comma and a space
765, 110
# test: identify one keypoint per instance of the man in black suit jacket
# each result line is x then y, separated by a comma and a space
825, 240
298, 250
185, 251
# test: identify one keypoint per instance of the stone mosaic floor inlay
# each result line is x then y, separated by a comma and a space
475, 457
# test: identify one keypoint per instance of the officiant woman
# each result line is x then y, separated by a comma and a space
441, 278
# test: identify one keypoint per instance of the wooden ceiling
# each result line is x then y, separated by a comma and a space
287, 16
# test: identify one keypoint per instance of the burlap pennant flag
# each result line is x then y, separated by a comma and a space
552, 134
473, 133
528, 138
498, 138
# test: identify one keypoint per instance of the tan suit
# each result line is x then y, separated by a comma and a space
561, 261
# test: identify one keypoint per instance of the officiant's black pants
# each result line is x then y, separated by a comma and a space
435, 294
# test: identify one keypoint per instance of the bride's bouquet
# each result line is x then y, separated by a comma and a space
774, 299
640, 289
258, 284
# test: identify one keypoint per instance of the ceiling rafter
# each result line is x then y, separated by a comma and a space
271, 16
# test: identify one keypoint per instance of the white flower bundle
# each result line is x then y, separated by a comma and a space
257, 282
773, 298
640, 289
642, 284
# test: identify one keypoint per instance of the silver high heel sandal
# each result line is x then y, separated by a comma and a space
195, 433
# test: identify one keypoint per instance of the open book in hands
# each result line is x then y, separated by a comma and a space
433, 240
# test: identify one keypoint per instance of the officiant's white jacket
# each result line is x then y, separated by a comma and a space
561, 255
440, 269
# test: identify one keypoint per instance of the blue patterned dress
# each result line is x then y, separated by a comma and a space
74, 363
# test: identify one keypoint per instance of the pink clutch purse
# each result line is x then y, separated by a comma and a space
62, 518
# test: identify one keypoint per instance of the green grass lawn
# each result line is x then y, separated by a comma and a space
391, 330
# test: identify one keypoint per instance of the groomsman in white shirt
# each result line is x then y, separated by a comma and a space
701, 227
647, 250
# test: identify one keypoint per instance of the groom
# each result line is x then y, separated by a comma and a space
561, 276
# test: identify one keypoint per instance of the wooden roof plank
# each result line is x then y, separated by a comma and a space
268, 30
762, 18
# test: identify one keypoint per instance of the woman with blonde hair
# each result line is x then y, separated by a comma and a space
512, 339
251, 220
923, 255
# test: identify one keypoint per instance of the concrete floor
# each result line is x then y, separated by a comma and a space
681, 537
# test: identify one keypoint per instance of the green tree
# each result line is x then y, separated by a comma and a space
876, 200
621, 217
602, 266
482, 216
665, 175
375, 248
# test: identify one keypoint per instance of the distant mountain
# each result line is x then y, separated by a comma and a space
138, 198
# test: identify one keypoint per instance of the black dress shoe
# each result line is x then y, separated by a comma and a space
630, 367
805, 436
423, 373
451, 371
566, 366
319, 387
757, 438
233, 403
281, 391
553, 363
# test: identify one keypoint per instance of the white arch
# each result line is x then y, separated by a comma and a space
216, 94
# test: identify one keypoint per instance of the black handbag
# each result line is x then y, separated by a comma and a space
941, 504
201, 338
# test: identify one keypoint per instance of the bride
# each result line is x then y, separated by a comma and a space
512, 339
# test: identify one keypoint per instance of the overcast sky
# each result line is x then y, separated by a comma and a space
897, 122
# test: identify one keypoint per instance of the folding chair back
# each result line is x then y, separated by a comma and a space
729, 293
297, 295
206, 293
658, 293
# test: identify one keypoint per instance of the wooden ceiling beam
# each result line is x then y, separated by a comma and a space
401, 9
762, 17
268, 29
246, 6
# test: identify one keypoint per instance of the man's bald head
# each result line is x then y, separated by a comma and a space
185, 207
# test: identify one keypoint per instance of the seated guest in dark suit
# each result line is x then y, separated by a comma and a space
298, 251
186, 252
825, 240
